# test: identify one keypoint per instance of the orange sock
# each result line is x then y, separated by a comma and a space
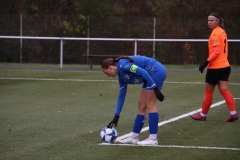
228, 98
207, 100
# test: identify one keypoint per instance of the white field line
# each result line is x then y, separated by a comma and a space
173, 146
54, 79
172, 120
91, 80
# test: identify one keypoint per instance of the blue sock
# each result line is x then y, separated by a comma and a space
153, 123
138, 124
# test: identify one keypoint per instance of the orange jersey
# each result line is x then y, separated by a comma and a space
218, 37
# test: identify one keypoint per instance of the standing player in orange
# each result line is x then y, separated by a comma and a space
218, 69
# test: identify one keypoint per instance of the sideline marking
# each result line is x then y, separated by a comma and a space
85, 80
173, 146
53, 79
172, 120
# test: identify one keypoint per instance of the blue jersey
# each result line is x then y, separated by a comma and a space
143, 70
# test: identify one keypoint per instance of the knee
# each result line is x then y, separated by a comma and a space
141, 107
223, 91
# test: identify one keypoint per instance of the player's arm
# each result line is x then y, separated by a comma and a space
121, 98
215, 54
120, 102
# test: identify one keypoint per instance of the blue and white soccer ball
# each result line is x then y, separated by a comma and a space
108, 135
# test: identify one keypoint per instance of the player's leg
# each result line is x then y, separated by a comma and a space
210, 83
223, 89
153, 116
139, 120
206, 103
142, 111
158, 75
207, 99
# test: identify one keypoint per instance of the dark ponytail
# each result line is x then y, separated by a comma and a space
112, 62
123, 57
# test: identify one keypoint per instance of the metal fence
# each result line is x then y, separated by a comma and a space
136, 41
171, 42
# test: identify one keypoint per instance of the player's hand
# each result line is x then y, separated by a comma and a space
158, 94
113, 122
203, 65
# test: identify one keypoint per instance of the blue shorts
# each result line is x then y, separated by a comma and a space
158, 73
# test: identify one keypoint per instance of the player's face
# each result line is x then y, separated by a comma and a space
212, 22
110, 71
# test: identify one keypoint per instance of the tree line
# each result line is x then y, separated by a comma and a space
175, 19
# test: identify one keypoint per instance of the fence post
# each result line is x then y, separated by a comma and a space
88, 35
61, 53
21, 39
135, 47
154, 35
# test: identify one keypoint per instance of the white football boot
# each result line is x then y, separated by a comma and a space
148, 142
129, 140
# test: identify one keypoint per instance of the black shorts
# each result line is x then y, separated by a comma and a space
215, 75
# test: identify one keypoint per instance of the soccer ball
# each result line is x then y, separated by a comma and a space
108, 135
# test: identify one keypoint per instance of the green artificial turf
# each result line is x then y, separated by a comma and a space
58, 114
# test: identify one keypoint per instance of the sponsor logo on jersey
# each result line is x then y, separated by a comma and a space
126, 76
137, 80
126, 67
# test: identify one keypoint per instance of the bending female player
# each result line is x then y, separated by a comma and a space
137, 70
218, 69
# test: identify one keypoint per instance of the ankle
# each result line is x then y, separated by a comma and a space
233, 112
134, 135
153, 136
203, 115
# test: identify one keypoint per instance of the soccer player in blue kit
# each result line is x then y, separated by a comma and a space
138, 70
